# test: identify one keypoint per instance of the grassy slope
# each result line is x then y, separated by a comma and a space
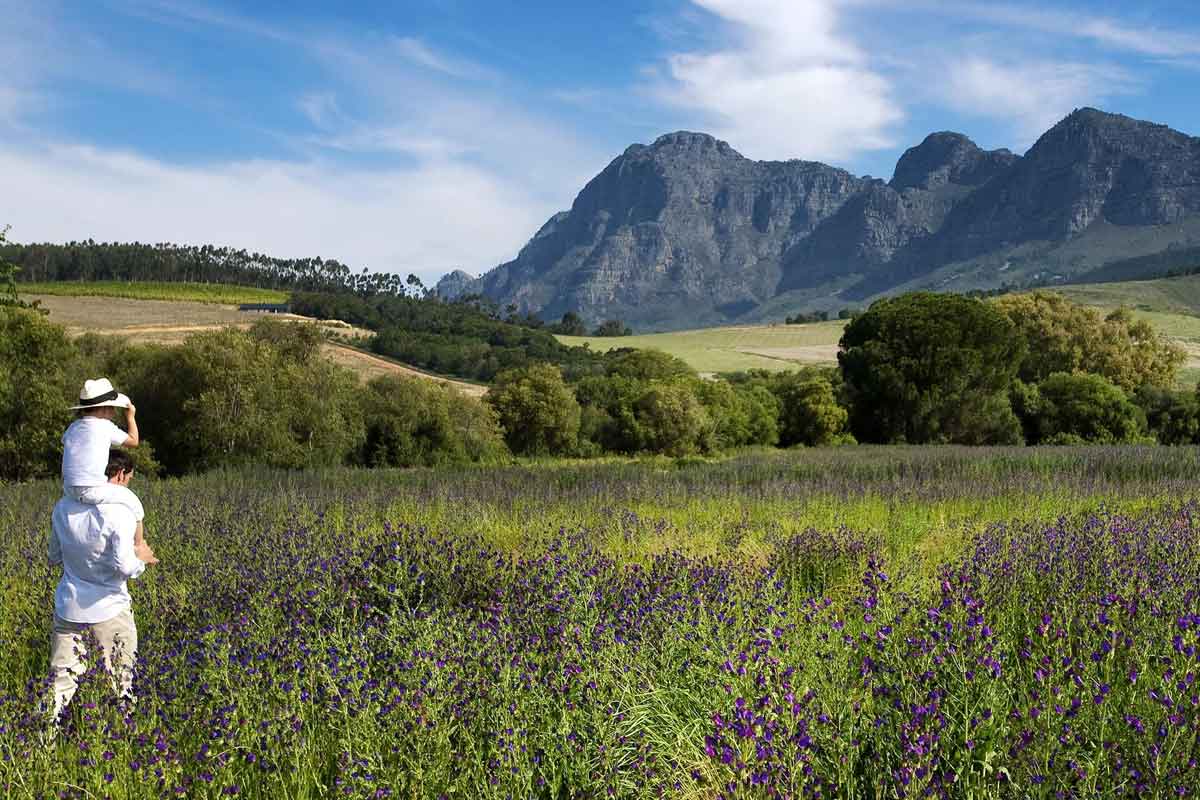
770, 347
152, 290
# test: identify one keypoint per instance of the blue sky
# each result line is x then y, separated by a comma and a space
427, 135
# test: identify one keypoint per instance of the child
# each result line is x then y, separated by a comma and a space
86, 444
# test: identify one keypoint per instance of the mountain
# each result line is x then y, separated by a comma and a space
687, 232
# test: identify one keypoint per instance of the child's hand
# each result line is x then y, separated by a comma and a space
130, 410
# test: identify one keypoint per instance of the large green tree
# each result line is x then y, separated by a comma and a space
927, 367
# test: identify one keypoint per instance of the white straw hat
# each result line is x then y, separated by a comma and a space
99, 393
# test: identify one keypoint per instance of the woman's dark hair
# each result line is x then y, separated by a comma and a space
118, 461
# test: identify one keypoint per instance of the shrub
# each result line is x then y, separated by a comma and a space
414, 422
809, 412
1075, 407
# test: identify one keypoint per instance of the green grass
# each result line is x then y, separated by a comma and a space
223, 294
730, 349
1163, 296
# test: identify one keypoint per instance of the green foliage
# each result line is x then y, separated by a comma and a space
37, 375
646, 365
1061, 336
924, 367
746, 414
570, 325
612, 327
90, 261
1072, 408
537, 410
1172, 416
412, 422
671, 420
460, 338
809, 412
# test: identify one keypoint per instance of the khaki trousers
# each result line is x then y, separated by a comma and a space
68, 652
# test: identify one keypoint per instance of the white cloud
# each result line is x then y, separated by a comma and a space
427, 219
1030, 96
1109, 32
788, 83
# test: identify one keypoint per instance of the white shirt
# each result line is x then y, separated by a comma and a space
94, 544
85, 450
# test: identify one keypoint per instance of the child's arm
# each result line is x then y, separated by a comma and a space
131, 427
139, 535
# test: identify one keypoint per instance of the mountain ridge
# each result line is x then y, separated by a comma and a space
686, 231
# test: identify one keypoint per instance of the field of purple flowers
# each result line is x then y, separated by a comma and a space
874, 623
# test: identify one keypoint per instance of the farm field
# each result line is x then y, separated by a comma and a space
219, 293
713, 350
866, 622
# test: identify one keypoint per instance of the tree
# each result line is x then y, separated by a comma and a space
671, 420
741, 415
1061, 336
809, 412
38, 374
1080, 407
612, 327
920, 367
537, 410
229, 397
570, 325
8, 280
1172, 416
646, 365
414, 422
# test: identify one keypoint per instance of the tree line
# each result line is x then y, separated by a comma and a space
99, 261
921, 368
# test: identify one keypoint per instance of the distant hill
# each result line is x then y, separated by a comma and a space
687, 233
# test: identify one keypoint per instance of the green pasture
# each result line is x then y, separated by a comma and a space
730, 349
223, 294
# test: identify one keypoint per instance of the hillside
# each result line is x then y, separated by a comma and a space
171, 321
688, 233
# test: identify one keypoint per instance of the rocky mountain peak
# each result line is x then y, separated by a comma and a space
686, 232
690, 142
945, 158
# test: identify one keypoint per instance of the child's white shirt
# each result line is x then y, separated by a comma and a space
85, 450
85, 456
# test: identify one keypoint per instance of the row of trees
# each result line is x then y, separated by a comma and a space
231, 397
919, 368
462, 338
97, 261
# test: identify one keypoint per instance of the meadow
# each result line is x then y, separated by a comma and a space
866, 622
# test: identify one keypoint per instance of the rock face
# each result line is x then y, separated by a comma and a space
687, 232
